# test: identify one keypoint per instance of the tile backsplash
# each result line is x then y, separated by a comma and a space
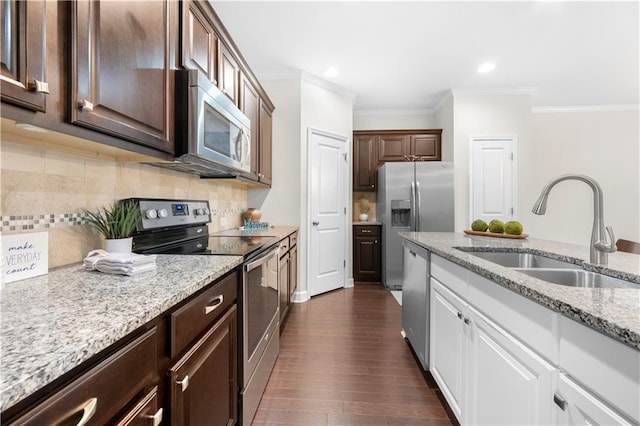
44, 189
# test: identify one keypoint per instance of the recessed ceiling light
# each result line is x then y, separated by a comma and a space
486, 67
331, 72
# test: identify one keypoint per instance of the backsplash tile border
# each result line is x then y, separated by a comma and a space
14, 224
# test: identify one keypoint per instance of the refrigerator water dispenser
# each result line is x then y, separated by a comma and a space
400, 213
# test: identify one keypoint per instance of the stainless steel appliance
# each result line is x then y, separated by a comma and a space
412, 196
180, 227
212, 134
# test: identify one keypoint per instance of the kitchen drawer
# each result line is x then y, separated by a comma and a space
293, 240
192, 319
104, 390
366, 230
283, 248
145, 412
451, 275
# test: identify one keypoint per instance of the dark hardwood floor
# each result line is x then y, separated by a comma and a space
343, 362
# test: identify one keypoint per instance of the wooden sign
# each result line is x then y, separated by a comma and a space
24, 256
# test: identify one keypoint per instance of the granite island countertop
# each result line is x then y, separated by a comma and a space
53, 323
612, 311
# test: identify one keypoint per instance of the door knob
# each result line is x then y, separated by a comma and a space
315, 223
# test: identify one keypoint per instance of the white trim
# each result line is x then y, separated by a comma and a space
584, 108
392, 112
284, 75
347, 195
497, 91
349, 283
328, 85
300, 296
443, 100
514, 170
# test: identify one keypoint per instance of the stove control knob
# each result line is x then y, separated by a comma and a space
206, 211
162, 213
198, 212
151, 214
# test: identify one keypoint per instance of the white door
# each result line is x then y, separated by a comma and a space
493, 179
328, 184
447, 348
508, 383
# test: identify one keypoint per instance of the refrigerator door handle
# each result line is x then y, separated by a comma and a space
413, 206
418, 204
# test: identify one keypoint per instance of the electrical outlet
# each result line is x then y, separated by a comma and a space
223, 221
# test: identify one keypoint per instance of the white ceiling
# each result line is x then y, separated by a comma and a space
407, 55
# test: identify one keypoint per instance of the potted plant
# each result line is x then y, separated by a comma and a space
364, 209
116, 223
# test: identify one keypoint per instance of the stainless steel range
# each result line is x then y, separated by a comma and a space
180, 227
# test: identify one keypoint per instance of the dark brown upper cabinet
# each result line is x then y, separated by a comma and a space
199, 41
392, 147
365, 160
228, 74
426, 147
266, 142
250, 106
23, 53
121, 83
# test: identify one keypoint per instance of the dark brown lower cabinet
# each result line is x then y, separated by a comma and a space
97, 396
145, 412
367, 253
203, 385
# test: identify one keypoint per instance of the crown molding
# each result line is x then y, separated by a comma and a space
310, 78
392, 112
585, 108
285, 75
496, 91
448, 95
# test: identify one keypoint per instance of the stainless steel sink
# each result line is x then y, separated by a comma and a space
523, 260
578, 278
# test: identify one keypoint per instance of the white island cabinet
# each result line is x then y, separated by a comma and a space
500, 358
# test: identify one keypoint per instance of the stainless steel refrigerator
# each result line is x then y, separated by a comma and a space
412, 196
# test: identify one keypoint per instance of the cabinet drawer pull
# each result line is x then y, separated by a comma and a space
215, 303
40, 86
467, 321
365, 231
156, 419
460, 315
184, 383
85, 105
412, 253
88, 411
560, 401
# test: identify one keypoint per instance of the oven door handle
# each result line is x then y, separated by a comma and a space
262, 259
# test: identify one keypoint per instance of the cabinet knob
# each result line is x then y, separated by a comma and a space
184, 383
315, 223
85, 105
459, 315
88, 410
40, 86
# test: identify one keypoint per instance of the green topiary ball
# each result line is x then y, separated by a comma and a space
479, 225
496, 226
513, 228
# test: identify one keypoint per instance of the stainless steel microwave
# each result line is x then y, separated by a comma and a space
213, 137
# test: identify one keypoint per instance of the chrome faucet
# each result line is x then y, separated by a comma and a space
599, 245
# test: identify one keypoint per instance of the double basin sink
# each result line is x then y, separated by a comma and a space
553, 270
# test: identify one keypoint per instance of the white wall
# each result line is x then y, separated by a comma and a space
392, 121
280, 205
603, 145
443, 119
473, 116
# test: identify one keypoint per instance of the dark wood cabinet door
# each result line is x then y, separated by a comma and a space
102, 392
266, 134
23, 53
250, 106
393, 147
228, 73
145, 412
120, 70
203, 384
365, 160
426, 147
199, 41
367, 253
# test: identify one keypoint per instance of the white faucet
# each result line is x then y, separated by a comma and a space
599, 245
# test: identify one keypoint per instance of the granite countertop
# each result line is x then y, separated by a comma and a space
53, 323
612, 311
368, 222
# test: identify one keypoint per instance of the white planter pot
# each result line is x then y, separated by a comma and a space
121, 245
363, 217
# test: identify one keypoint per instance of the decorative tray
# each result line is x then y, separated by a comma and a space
495, 235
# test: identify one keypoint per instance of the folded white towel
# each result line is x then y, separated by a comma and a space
119, 263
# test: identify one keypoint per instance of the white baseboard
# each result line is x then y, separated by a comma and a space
349, 283
300, 296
